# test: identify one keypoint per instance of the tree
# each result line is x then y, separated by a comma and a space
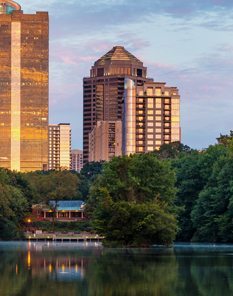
172, 150
225, 139
189, 184
54, 185
13, 206
213, 213
88, 175
193, 171
131, 202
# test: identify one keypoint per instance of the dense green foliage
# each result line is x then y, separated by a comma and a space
132, 201
204, 183
53, 185
14, 203
174, 193
88, 175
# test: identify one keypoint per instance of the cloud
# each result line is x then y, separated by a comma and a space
153, 30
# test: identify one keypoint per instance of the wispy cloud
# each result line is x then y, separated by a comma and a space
184, 43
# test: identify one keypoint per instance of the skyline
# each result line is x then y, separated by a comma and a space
202, 73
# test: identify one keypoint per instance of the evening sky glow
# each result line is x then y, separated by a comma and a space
187, 44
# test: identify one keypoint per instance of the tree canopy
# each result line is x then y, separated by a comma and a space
132, 201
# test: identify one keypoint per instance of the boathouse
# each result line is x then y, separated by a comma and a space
62, 210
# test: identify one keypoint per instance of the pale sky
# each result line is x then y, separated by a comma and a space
188, 44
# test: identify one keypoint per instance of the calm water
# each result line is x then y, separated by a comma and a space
69, 269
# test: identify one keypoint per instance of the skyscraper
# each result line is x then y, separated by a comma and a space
23, 88
59, 146
103, 90
118, 90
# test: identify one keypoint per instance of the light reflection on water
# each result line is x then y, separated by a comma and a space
33, 269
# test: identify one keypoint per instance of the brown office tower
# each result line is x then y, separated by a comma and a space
23, 88
118, 90
103, 91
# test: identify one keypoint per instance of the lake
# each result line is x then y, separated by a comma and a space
33, 269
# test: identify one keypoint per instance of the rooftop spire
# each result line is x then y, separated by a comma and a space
7, 6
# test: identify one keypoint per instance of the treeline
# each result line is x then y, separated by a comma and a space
137, 200
176, 193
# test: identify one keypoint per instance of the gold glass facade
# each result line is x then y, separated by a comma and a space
15, 94
24, 91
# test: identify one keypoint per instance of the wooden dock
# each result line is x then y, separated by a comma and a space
63, 237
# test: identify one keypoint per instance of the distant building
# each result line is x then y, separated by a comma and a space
23, 88
76, 160
151, 116
105, 141
103, 91
118, 90
59, 146
62, 210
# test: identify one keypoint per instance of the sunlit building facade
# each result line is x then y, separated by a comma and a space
59, 146
76, 160
151, 116
23, 88
105, 141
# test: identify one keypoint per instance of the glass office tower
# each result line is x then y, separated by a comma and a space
23, 88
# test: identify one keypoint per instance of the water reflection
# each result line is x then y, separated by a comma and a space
69, 269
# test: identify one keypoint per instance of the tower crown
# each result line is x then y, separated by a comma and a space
120, 54
118, 61
8, 6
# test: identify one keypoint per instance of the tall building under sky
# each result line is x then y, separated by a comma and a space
23, 88
59, 146
118, 90
103, 91
151, 116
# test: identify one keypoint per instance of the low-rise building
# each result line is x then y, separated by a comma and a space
62, 210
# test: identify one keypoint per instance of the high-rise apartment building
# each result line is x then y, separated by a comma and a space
151, 116
76, 160
103, 91
23, 88
105, 141
59, 146
118, 90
